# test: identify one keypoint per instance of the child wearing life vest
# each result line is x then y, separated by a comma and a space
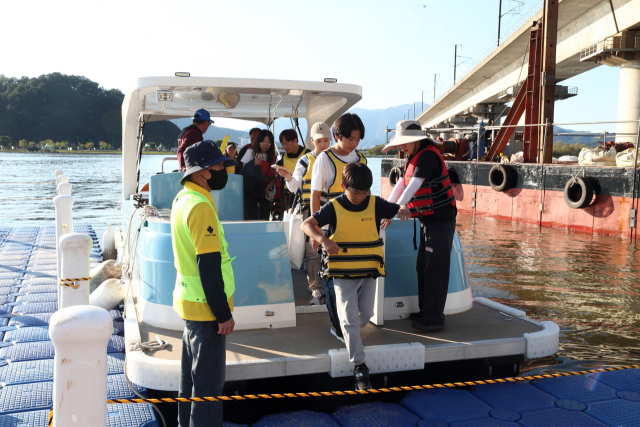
348, 131
293, 152
355, 255
300, 181
426, 189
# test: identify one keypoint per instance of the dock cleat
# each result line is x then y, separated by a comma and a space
361, 375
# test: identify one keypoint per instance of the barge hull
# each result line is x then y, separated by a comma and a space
537, 195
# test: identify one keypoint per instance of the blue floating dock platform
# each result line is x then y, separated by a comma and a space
118, 415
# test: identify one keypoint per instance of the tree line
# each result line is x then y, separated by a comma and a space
67, 108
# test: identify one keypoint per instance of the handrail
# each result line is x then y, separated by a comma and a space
164, 160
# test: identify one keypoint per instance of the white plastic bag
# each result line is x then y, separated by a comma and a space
626, 158
295, 237
597, 156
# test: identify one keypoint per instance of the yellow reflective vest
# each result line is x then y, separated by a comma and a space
189, 300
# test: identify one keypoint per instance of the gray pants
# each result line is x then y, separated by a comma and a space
354, 302
203, 369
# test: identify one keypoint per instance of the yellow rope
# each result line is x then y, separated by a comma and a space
358, 392
73, 283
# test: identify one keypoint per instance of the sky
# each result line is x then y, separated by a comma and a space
392, 49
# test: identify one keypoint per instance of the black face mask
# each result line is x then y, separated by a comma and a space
218, 179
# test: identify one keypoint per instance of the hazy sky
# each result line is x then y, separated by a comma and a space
391, 48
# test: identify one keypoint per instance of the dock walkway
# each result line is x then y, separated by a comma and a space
28, 298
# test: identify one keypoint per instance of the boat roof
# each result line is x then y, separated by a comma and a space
261, 100
246, 99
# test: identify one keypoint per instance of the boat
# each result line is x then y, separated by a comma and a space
277, 334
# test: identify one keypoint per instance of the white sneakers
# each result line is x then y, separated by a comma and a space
316, 295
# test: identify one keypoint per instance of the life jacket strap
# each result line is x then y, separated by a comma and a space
433, 206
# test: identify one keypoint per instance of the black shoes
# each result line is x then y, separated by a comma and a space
416, 317
337, 333
427, 327
361, 375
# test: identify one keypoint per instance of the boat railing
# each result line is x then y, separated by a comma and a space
165, 159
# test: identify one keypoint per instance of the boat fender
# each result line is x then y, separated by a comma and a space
501, 177
295, 238
109, 269
109, 245
578, 192
108, 295
394, 175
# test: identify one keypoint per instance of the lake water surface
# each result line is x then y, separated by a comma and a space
588, 285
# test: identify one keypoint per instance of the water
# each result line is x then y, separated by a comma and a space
588, 285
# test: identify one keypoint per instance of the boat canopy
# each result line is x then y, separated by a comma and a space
261, 100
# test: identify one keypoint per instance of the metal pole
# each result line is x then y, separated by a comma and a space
499, 19
422, 101
547, 99
455, 63
434, 87
414, 110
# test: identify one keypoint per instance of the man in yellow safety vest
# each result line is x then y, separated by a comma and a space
203, 294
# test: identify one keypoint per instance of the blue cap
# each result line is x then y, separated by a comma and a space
203, 114
202, 155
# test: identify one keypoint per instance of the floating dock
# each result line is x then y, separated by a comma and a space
28, 294
28, 298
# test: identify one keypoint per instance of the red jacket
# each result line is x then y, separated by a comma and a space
189, 136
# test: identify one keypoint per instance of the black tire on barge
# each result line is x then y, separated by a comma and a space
500, 178
395, 175
578, 192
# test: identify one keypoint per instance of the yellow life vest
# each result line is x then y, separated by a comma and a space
361, 253
289, 163
306, 178
338, 166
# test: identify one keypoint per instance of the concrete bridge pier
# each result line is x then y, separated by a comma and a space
628, 101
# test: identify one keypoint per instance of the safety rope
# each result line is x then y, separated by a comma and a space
371, 391
359, 392
73, 283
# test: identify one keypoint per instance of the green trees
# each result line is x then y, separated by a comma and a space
89, 145
68, 108
23, 143
5, 141
376, 150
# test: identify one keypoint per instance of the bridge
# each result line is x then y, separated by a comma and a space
590, 33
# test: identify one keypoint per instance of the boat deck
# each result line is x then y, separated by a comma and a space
478, 333
311, 336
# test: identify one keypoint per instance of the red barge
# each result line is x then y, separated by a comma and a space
537, 195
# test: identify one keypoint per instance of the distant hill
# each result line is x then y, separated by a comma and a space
67, 108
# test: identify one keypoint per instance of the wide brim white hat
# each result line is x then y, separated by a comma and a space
406, 131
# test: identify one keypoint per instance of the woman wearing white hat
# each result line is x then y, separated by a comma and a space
426, 189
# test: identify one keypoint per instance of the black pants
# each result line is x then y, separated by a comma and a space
256, 209
434, 260
202, 374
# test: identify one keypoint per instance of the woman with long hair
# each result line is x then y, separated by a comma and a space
259, 177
